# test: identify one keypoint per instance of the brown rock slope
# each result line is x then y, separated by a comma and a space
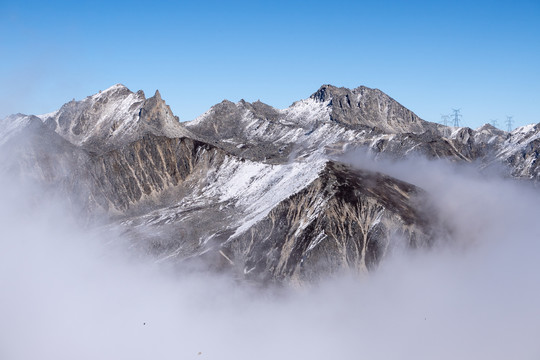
345, 219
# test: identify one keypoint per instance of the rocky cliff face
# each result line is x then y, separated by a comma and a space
139, 172
370, 108
247, 187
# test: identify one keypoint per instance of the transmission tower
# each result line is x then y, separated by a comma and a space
509, 123
445, 119
494, 122
456, 115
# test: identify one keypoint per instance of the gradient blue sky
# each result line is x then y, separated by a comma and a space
431, 56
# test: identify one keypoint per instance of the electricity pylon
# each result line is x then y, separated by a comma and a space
509, 123
445, 119
456, 115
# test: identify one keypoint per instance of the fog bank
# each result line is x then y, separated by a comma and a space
72, 293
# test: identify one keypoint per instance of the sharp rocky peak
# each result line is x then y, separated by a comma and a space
328, 92
116, 87
113, 117
230, 112
117, 90
487, 127
366, 108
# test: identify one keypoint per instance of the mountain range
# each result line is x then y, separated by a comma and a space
262, 192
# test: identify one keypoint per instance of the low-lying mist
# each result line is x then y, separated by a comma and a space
73, 293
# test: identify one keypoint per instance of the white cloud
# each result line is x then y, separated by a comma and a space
67, 293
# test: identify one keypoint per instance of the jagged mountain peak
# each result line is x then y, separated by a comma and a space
324, 93
16, 123
228, 103
242, 103
111, 118
17, 115
230, 115
156, 117
361, 108
487, 127
116, 91
330, 116
327, 92
99, 118
364, 107
116, 87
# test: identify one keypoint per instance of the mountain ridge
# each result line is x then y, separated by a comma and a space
253, 189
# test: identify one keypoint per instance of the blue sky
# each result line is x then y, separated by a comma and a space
480, 56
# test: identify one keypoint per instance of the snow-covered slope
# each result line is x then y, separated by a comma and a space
261, 132
12, 125
334, 120
249, 187
521, 150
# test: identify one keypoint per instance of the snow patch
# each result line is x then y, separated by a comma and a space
258, 187
307, 112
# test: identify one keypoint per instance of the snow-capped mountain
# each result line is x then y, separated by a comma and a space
330, 117
113, 117
521, 150
247, 187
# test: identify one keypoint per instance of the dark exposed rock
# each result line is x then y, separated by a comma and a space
140, 171
346, 219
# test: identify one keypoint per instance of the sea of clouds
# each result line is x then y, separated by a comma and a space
73, 292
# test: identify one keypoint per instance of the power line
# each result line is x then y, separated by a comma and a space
494, 122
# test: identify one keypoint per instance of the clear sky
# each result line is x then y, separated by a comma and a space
431, 56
